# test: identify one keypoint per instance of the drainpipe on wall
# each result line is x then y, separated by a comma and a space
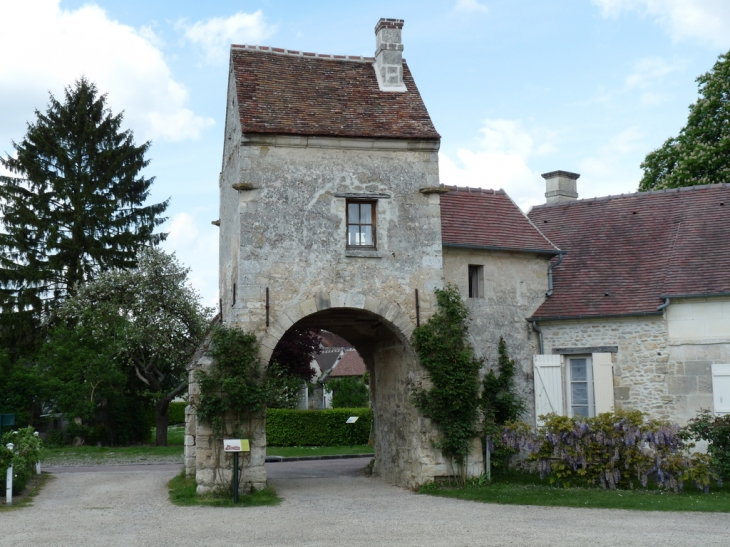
663, 306
550, 274
538, 330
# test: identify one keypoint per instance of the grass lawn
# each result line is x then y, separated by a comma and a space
520, 489
93, 455
182, 492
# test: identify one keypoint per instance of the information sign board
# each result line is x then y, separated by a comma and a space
236, 445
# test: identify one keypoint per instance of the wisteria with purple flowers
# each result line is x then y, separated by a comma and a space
612, 450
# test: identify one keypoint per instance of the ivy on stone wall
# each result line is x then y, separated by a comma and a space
452, 402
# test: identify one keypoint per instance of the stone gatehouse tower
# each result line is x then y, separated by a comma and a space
330, 218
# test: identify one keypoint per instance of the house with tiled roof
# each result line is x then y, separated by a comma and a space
332, 217
639, 312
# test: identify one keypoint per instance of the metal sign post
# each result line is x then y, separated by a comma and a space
351, 420
236, 446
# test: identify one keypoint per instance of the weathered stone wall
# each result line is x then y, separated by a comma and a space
283, 228
651, 373
514, 287
642, 361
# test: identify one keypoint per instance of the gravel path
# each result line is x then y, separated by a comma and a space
325, 503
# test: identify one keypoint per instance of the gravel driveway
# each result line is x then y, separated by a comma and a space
325, 503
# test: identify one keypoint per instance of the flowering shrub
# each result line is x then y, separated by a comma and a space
26, 452
611, 450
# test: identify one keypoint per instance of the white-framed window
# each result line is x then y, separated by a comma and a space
579, 380
573, 384
361, 224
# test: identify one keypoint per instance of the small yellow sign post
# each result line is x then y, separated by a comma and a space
236, 446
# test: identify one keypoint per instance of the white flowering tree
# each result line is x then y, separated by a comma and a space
700, 154
150, 319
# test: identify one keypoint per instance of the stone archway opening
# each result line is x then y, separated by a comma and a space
392, 368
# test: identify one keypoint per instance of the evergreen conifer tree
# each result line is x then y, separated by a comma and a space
74, 207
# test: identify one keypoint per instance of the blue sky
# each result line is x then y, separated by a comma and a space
515, 87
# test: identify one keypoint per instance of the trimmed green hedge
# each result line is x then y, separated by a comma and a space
176, 413
285, 427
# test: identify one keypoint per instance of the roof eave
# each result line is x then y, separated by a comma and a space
293, 140
596, 316
551, 252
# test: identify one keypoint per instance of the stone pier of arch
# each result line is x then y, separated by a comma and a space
381, 331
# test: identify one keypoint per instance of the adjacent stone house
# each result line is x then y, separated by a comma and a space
332, 217
639, 313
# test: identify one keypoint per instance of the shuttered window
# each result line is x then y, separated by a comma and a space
603, 382
548, 385
721, 389
579, 385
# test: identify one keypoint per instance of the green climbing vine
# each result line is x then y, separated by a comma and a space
234, 392
452, 402
500, 404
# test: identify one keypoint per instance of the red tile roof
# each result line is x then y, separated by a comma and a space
298, 93
626, 252
351, 364
474, 217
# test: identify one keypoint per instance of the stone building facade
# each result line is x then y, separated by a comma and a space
332, 217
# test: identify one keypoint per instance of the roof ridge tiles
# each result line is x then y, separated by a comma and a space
307, 54
648, 193
474, 190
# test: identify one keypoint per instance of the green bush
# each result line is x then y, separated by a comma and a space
349, 392
25, 454
176, 413
716, 431
285, 427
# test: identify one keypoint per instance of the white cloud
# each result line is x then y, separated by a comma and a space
615, 168
500, 162
216, 34
471, 6
705, 20
650, 70
195, 243
46, 48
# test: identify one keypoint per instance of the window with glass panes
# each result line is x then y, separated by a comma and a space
361, 224
580, 386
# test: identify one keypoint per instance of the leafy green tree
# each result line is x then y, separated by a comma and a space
75, 205
81, 370
150, 319
349, 392
700, 154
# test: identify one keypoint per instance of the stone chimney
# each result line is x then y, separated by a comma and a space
389, 55
560, 186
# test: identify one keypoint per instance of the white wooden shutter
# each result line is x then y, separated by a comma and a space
548, 385
721, 388
603, 382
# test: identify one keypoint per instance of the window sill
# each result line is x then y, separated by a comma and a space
362, 253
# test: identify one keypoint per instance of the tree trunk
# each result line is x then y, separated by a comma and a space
161, 419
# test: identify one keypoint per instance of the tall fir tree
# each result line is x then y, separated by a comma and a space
700, 154
74, 207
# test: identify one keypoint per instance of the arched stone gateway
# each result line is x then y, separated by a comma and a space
331, 217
